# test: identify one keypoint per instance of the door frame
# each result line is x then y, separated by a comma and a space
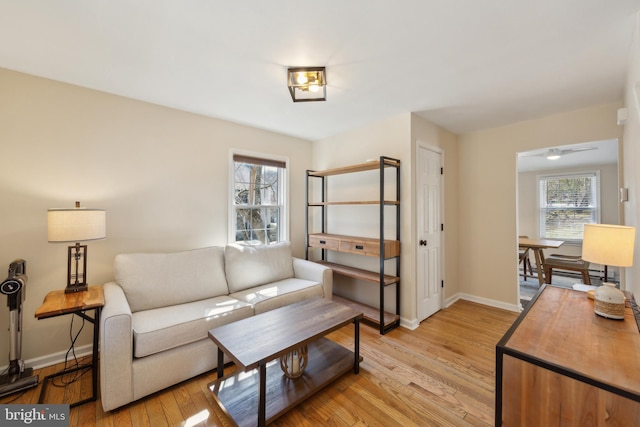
424, 145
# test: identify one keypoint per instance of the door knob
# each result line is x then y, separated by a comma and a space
423, 243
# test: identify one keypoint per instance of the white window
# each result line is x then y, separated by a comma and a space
567, 202
258, 211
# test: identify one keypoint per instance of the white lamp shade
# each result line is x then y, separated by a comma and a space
608, 244
76, 225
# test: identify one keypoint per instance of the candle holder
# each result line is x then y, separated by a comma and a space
294, 363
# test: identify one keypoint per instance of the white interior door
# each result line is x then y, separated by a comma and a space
429, 206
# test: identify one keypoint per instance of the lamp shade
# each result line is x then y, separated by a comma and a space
608, 244
76, 225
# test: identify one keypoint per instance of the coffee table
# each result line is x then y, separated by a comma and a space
255, 344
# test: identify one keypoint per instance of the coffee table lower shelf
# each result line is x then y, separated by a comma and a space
237, 394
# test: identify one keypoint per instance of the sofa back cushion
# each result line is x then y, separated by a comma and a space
249, 266
153, 280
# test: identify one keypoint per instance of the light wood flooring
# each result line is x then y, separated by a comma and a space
441, 374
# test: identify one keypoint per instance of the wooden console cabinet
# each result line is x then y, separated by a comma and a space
561, 364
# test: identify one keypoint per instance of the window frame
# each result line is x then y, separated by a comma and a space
541, 210
283, 192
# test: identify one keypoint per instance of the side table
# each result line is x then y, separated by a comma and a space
57, 303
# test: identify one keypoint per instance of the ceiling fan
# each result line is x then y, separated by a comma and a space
556, 153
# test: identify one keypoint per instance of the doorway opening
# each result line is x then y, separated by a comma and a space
559, 189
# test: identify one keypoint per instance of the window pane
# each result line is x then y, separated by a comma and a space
570, 191
244, 229
567, 202
273, 224
256, 184
257, 200
567, 223
251, 225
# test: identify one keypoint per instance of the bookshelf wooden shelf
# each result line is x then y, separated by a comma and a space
357, 273
361, 167
361, 202
381, 248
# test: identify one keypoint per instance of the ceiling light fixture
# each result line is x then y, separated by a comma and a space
553, 154
307, 84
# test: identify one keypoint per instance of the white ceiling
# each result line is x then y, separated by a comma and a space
462, 64
599, 153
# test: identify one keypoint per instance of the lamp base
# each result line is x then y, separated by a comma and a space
609, 302
71, 289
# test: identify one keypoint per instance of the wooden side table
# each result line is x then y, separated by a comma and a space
57, 303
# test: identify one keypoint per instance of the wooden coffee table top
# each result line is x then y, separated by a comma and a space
269, 335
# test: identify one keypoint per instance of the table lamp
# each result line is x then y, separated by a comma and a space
76, 225
608, 244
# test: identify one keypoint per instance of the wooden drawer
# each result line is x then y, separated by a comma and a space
324, 241
370, 247
354, 245
361, 247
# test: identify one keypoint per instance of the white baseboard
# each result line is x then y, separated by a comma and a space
54, 358
411, 324
452, 299
491, 303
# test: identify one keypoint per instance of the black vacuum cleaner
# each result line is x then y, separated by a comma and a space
17, 377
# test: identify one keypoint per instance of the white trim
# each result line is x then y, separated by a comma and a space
411, 324
484, 301
54, 358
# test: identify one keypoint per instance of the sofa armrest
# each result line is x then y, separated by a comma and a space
309, 270
116, 349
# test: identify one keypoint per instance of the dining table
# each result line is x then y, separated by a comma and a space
536, 246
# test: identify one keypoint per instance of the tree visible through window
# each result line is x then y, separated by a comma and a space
567, 202
258, 199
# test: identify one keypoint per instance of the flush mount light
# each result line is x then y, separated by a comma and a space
307, 84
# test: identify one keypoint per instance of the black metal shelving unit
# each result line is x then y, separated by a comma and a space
387, 248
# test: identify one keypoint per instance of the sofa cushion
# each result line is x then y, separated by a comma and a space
249, 266
169, 327
163, 279
278, 294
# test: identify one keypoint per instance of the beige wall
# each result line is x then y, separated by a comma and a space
488, 188
434, 136
389, 138
631, 159
395, 137
161, 175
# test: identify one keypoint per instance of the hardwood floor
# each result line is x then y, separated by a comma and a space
441, 374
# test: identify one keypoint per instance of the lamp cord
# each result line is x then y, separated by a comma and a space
72, 350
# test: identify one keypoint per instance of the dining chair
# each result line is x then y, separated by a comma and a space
523, 257
566, 262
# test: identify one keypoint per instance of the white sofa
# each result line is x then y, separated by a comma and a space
154, 324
